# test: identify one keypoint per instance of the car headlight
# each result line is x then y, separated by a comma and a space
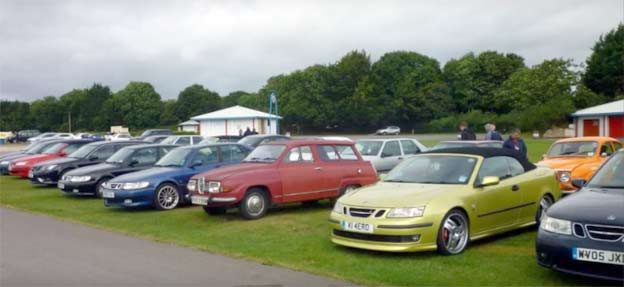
564, 176
407, 212
192, 185
20, 163
214, 186
84, 178
52, 167
555, 225
135, 185
338, 208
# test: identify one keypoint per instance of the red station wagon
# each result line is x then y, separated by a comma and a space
282, 172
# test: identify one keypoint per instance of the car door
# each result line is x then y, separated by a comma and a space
301, 175
409, 147
390, 155
496, 205
98, 155
332, 170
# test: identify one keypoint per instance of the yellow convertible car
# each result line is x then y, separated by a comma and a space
444, 199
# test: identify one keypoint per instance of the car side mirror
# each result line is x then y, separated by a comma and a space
133, 163
489, 181
94, 157
578, 183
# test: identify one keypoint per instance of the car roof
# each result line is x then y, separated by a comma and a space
472, 142
298, 142
199, 146
487, 152
115, 142
384, 139
578, 139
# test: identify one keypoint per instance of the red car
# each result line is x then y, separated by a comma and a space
21, 166
282, 172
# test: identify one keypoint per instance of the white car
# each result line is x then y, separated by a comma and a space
389, 130
182, 140
385, 154
118, 137
49, 136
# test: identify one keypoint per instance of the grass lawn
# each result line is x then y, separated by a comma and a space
298, 238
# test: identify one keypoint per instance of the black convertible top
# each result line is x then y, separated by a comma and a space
488, 152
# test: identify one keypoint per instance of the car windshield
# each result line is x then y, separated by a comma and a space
169, 140
250, 140
580, 148
368, 147
176, 157
209, 140
83, 151
610, 174
121, 155
37, 148
55, 148
265, 153
433, 169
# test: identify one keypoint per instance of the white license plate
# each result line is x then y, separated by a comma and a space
60, 185
357, 226
75, 190
30, 174
199, 200
601, 256
108, 194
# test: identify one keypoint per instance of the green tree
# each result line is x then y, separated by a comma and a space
232, 99
97, 95
605, 66
14, 116
74, 103
137, 106
195, 100
48, 114
168, 116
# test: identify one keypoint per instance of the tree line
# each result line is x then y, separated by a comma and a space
354, 94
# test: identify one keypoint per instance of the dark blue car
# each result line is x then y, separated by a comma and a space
164, 185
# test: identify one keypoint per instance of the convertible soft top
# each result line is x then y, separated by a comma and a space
489, 152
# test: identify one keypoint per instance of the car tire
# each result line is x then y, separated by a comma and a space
214, 210
99, 186
255, 204
545, 202
167, 197
453, 234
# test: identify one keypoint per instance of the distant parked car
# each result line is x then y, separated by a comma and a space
389, 130
48, 136
221, 139
164, 185
385, 154
32, 149
282, 172
89, 180
256, 140
583, 233
51, 171
183, 140
154, 132
457, 144
155, 139
24, 135
22, 167
119, 137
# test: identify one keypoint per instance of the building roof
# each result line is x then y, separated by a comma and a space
189, 123
612, 108
235, 112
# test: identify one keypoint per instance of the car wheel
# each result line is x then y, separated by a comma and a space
255, 204
214, 210
453, 233
167, 197
99, 187
544, 204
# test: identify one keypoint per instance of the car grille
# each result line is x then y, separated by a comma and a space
378, 237
609, 233
365, 212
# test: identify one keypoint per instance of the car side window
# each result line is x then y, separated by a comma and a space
409, 147
299, 154
494, 166
197, 140
515, 167
391, 148
232, 153
145, 156
346, 152
104, 152
72, 147
184, 141
606, 149
617, 146
165, 150
327, 153
206, 155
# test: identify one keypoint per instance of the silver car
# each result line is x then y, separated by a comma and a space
182, 140
389, 130
385, 154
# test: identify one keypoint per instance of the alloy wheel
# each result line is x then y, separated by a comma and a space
455, 233
168, 197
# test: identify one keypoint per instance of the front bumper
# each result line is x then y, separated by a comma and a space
48, 177
555, 251
212, 201
390, 234
130, 198
78, 188
19, 170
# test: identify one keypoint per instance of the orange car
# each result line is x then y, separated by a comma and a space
578, 158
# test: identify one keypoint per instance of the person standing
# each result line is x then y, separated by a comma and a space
491, 133
247, 132
515, 142
466, 133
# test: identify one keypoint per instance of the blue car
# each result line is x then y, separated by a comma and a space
164, 185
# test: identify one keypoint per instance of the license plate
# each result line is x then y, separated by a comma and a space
108, 194
199, 200
357, 226
61, 185
75, 190
30, 174
601, 256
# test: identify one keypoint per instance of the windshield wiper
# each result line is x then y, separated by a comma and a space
608, 186
433, 182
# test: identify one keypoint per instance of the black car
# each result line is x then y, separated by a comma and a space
89, 180
155, 139
255, 140
583, 234
34, 148
49, 172
155, 132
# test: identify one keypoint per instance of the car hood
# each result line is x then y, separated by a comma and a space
15, 156
591, 205
92, 169
11, 154
565, 163
62, 160
148, 174
233, 170
394, 194
37, 157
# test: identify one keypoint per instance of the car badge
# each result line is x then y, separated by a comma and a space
611, 217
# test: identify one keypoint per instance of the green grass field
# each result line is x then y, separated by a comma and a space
298, 238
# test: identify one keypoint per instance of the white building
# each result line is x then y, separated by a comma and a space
189, 126
232, 120
602, 120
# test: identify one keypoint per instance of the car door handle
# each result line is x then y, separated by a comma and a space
515, 187
317, 168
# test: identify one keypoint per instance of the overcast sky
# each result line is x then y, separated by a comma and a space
51, 47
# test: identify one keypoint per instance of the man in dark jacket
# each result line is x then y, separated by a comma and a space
466, 133
247, 132
515, 142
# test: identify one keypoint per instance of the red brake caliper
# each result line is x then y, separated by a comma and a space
446, 234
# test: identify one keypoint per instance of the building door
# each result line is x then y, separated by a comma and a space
591, 128
616, 126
